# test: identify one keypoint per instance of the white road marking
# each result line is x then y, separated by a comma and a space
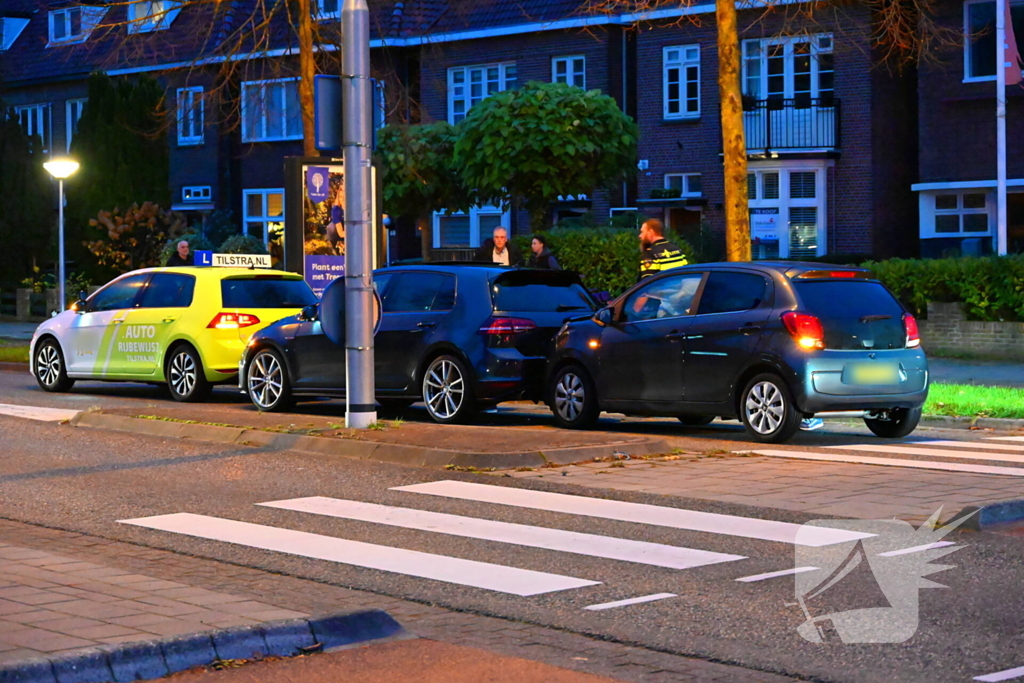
773, 575
1002, 675
916, 549
655, 515
969, 444
495, 577
1004, 438
942, 453
673, 557
893, 462
37, 413
630, 601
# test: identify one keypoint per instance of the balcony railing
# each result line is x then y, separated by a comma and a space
791, 124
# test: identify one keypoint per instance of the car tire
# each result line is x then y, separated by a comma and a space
895, 423
395, 405
267, 382
573, 398
695, 420
51, 373
767, 409
186, 379
447, 392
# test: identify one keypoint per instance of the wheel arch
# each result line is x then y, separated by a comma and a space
37, 342
758, 368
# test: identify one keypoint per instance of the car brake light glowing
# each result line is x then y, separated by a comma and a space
233, 321
842, 273
507, 326
805, 329
913, 336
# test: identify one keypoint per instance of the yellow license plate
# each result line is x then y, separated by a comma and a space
873, 373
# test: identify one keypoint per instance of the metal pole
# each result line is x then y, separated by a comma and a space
62, 302
361, 411
1001, 127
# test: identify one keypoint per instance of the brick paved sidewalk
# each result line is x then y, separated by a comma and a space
827, 488
61, 592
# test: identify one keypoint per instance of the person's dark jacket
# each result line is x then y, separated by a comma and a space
176, 260
661, 255
545, 259
486, 253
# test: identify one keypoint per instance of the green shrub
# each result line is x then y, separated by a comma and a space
243, 244
608, 259
990, 288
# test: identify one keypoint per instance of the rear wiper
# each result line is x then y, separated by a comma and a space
566, 307
873, 318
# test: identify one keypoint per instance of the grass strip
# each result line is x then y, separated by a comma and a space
968, 400
13, 352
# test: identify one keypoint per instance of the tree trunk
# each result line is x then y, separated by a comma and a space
737, 215
426, 237
307, 68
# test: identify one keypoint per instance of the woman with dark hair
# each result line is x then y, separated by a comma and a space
542, 256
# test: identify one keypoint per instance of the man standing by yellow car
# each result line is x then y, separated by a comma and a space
657, 253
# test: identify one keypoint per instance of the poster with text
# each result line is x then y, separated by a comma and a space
323, 225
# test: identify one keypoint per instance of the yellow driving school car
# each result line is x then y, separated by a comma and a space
185, 326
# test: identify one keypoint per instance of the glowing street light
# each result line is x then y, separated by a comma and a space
61, 169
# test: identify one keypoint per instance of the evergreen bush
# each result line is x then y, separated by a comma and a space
243, 244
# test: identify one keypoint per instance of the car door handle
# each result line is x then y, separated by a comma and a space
426, 324
117, 322
169, 320
675, 335
749, 328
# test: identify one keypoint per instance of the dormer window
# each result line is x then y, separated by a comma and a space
73, 24
151, 15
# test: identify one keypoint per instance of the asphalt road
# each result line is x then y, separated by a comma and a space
87, 481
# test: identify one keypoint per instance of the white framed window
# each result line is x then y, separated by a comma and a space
73, 24
570, 70
37, 119
980, 37
264, 209
797, 68
270, 110
145, 16
326, 9
469, 85
681, 81
467, 230
72, 114
688, 184
787, 209
190, 116
952, 213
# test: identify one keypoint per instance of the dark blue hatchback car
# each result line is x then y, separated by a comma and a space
459, 337
768, 343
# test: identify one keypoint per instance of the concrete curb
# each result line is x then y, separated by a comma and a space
162, 657
421, 456
984, 517
944, 421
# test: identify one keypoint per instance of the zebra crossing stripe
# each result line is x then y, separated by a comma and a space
970, 444
656, 554
630, 601
655, 515
495, 577
1005, 438
37, 412
942, 453
775, 575
892, 462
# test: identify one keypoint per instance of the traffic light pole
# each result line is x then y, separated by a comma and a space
361, 410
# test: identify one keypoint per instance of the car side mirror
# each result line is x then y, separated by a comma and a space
79, 306
309, 313
606, 316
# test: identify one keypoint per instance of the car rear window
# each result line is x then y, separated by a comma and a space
263, 292
854, 314
532, 292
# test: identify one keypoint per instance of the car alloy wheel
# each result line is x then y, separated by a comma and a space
50, 372
768, 411
267, 382
573, 399
185, 376
445, 391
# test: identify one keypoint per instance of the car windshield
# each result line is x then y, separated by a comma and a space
854, 314
266, 292
533, 291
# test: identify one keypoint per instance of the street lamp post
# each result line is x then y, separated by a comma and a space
61, 169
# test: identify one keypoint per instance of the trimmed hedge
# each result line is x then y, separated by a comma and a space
608, 259
990, 288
